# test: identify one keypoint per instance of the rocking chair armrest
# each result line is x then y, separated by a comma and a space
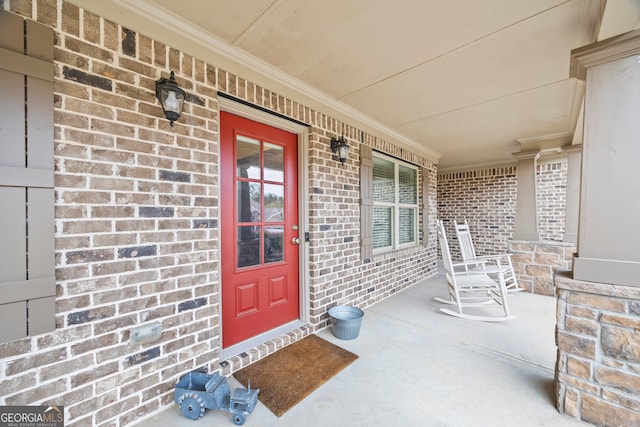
491, 269
481, 274
471, 262
493, 256
495, 269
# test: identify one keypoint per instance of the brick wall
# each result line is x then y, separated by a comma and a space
337, 273
551, 179
486, 198
598, 368
137, 225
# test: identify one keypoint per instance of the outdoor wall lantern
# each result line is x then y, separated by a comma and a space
340, 146
171, 97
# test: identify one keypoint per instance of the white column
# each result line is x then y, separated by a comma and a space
526, 224
609, 219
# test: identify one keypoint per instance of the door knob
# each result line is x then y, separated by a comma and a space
295, 241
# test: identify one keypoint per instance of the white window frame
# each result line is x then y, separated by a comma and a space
396, 206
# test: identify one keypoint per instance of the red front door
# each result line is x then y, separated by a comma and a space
259, 222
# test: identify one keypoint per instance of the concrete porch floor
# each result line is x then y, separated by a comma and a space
420, 367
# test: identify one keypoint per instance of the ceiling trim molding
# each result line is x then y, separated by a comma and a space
595, 9
142, 16
552, 157
576, 105
571, 148
477, 166
545, 142
604, 51
224, 97
526, 155
576, 95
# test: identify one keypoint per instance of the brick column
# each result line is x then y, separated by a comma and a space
526, 224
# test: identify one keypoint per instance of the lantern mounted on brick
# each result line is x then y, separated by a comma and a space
171, 97
339, 146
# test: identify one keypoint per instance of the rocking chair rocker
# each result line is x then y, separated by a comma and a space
468, 253
470, 287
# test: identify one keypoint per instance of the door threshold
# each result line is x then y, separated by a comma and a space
246, 345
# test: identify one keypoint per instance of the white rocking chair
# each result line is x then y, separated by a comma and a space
469, 288
468, 253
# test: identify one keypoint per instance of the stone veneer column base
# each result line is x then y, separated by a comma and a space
598, 367
535, 261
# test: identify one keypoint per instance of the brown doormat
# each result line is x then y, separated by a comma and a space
292, 373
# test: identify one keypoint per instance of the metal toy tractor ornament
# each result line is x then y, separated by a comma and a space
196, 392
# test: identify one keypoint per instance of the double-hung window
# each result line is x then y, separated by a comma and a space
395, 203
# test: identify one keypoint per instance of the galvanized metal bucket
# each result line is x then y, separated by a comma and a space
345, 321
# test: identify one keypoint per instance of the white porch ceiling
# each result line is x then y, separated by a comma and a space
462, 79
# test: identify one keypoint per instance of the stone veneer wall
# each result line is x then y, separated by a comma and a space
598, 367
536, 262
137, 225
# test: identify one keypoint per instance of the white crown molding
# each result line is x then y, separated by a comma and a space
154, 22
